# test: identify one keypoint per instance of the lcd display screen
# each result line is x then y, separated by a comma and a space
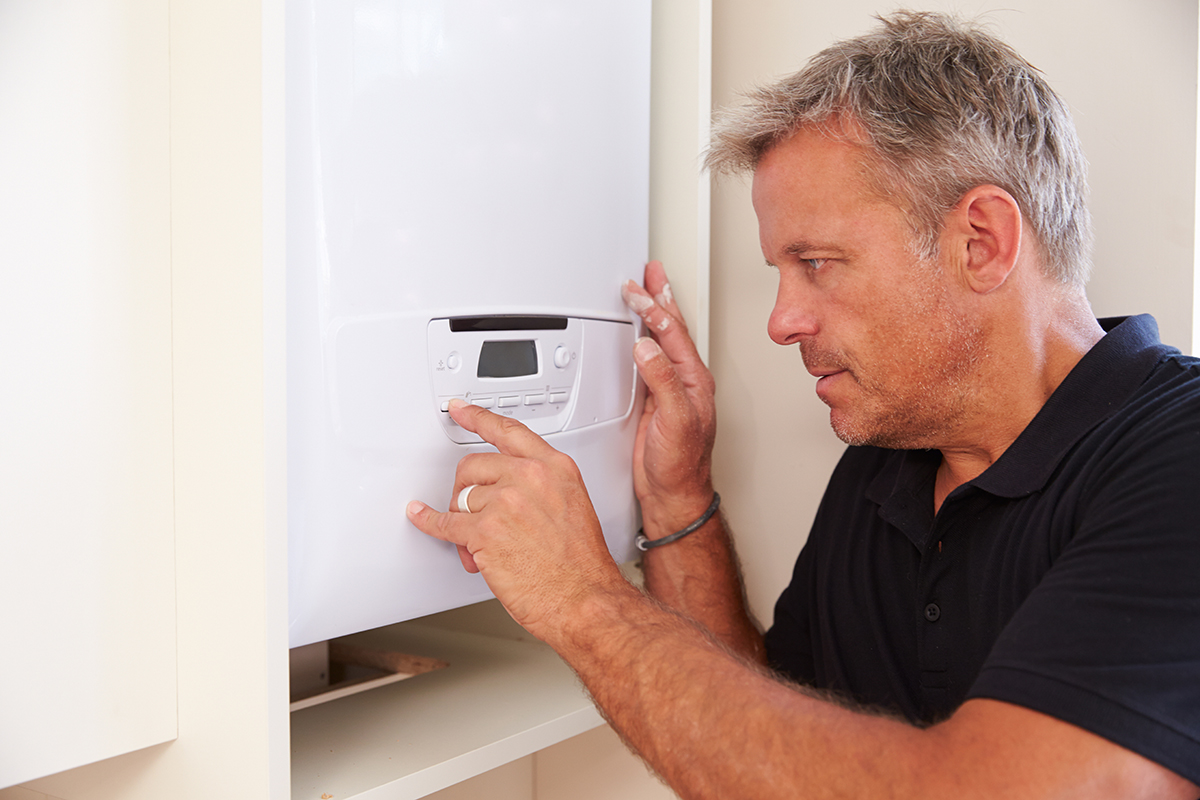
507, 359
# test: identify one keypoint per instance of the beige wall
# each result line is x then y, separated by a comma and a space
1128, 69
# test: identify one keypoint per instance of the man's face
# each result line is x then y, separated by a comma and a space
886, 334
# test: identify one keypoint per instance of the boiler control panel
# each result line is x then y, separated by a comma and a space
531, 368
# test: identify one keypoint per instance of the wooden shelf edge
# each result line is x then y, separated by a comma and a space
446, 774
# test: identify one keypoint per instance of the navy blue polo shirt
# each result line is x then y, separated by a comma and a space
1065, 578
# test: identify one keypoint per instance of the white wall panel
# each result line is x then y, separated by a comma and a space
87, 593
226, 339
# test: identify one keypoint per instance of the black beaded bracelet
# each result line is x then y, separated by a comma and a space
645, 544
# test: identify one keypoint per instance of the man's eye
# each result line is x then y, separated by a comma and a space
815, 263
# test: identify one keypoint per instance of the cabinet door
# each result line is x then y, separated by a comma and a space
87, 574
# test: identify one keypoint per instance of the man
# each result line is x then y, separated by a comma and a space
999, 596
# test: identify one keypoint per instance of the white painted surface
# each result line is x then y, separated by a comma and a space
227, 391
87, 576
273, 119
680, 192
1196, 226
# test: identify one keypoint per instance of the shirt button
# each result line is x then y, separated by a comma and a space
932, 612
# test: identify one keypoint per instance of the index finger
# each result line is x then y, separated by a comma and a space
654, 279
509, 436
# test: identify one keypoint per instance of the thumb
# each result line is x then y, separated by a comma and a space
468, 560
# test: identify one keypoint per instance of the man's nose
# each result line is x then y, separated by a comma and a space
794, 314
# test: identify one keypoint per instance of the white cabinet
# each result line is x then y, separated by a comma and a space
87, 564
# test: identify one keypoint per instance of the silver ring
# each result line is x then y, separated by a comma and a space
462, 498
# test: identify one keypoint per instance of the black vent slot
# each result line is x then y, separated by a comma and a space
508, 322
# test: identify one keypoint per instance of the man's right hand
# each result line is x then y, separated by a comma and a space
672, 459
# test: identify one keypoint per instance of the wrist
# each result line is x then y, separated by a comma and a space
645, 543
663, 516
593, 615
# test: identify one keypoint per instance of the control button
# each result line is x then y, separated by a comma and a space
535, 399
484, 402
453, 362
509, 402
446, 406
932, 612
562, 357
558, 397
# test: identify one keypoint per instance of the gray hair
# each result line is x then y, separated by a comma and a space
943, 107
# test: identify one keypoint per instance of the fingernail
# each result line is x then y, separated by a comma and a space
458, 402
645, 349
413, 508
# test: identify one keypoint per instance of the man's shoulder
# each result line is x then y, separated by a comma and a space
1127, 386
1170, 394
1175, 371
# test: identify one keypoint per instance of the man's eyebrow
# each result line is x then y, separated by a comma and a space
803, 246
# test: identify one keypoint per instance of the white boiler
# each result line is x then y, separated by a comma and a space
467, 189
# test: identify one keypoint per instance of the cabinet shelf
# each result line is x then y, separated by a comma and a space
500, 699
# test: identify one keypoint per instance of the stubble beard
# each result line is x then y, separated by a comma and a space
924, 409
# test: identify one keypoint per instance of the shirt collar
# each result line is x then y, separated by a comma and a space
1098, 385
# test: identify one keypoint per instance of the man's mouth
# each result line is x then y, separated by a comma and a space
827, 379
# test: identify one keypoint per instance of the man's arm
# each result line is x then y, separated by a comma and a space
712, 724
717, 728
699, 574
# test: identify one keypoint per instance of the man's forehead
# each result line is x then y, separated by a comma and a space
814, 160
842, 128
809, 160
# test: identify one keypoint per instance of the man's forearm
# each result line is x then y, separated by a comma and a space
716, 726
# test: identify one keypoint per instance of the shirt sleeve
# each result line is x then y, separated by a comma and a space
1109, 640
788, 641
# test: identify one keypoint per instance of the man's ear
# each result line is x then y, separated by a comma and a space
984, 232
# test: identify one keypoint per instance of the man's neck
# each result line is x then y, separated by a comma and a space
1025, 370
